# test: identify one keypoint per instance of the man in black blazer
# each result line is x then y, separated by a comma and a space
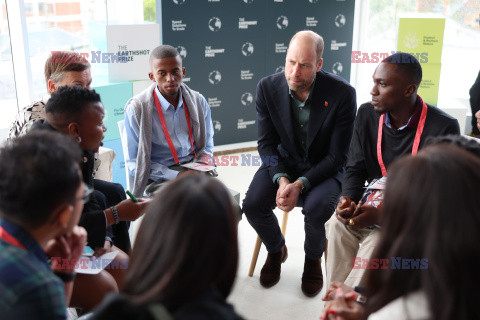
305, 122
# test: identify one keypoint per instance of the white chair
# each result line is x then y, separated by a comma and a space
123, 137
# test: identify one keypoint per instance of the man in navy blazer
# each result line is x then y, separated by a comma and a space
305, 122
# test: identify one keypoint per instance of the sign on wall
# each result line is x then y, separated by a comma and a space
129, 49
227, 46
423, 37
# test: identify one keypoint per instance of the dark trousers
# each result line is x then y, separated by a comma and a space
109, 194
318, 205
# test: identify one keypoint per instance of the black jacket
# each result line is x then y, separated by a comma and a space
362, 164
330, 127
475, 103
209, 306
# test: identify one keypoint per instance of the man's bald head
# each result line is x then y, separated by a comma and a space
312, 37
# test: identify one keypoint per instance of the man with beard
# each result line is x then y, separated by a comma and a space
305, 122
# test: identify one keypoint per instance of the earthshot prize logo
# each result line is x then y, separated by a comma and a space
279, 69
335, 46
248, 1
313, 1
282, 22
340, 20
217, 126
337, 68
411, 41
214, 24
215, 77
247, 49
247, 98
179, 1
182, 51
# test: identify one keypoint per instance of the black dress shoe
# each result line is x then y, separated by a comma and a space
270, 274
312, 278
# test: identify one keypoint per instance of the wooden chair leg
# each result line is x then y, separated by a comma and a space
258, 244
284, 222
325, 253
256, 251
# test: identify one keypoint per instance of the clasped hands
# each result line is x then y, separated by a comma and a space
357, 216
287, 194
341, 304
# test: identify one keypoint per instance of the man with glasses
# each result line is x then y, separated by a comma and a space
41, 201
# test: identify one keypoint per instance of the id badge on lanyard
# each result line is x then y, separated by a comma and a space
8, 238
165, 129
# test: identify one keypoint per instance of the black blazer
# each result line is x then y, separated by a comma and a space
330, 127
475, 103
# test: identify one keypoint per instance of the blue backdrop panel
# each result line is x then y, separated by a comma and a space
114, 97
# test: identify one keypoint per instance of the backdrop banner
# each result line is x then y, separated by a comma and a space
423, 37
128, 51
227, 46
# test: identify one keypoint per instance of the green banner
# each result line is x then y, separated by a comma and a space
423, 37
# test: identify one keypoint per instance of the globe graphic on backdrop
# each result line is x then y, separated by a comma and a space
282, 22
279, 69
217, 126
337, 68
313, 1
247, 49
247, 98
340, 20
214, 24
214, 77
178, 1
248, 1
182, 51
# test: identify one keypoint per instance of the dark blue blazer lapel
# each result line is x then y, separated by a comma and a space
282, 104
318, 110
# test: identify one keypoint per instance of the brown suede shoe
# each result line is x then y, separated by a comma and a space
270, 274
312, 278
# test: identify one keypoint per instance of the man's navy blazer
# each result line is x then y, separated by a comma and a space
330, 127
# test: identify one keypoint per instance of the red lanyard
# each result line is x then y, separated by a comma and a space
8, 238
165, 129
416, 142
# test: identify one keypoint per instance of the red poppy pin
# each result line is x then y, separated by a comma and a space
326, 104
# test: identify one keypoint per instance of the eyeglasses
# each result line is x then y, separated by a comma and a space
87, 193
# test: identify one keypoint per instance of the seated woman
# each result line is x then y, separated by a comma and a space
429, 238
184, 261
62, 68
78, 112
